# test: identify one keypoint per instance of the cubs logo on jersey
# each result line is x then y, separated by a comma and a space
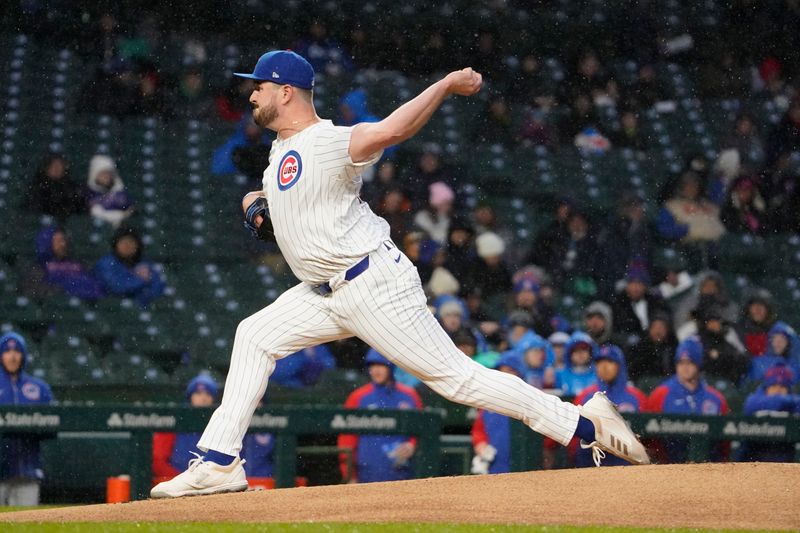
289, 170
31, 391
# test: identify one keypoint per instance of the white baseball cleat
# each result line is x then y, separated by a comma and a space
203, 477
612, 434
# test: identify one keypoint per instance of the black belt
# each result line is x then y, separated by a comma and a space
352, 273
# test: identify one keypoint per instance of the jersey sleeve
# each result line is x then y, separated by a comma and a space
337, 151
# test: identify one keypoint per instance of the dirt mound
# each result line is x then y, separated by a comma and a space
748, 496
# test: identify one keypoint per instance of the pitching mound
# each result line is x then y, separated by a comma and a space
748, 496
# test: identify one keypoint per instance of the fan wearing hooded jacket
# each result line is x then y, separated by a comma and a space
58, 270
772, 398
20, 456
577, 373
612, 378
107, 198
783, 347
379, 457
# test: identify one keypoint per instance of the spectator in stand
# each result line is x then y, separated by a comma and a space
526, 299
574, 258
353, 109
626, 238
124, 272
746, 141
549, 239
57, 271
784, 348
785, 137
530, 85
677, 284
536, 130
578, 372
686, 393
245, 151
629, 134
724, 353
558, 341
581, 116
53, 191
379, 457
759, 317
173, 451
709, 287
591, 79
538, 359
635, 305
191, 99
107, 199
489, 272
395, 208
770, 83
688, 217
598, 321
435, 219
232, 103
413, 248
460, 248
430, 170
484, 219
772, 399
20, 456
494, 125
258, 455
304, 368
325, 54
646, 91
652, 357
491, 432
745, 210
612, 379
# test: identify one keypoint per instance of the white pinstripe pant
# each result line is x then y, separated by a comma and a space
385, 306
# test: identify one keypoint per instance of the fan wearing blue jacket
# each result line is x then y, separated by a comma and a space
491, 432
124, 272
577, 373
686, 393
379, 457
612, 378
772, 398
20, 456
783, 347
538, 359
173, 451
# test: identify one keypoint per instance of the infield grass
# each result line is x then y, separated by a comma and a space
228, 527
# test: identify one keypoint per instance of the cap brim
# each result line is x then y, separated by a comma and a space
249, 76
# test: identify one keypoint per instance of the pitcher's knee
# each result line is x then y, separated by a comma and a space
455, 385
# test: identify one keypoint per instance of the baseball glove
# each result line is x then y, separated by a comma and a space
263, 231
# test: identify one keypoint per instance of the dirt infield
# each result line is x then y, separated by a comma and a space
747, 496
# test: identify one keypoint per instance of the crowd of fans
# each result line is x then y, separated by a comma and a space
664, 321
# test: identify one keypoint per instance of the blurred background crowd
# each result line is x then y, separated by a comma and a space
621, 202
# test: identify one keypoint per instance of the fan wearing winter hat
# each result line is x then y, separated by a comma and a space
173, 451
107, 199
489, 272
20, 456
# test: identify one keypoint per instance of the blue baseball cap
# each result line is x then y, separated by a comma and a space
282, 67
691, 349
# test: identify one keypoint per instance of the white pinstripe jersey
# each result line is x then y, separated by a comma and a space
312, 187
